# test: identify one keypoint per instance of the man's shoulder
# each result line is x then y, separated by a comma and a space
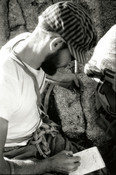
7, 64
7, 69
15, 40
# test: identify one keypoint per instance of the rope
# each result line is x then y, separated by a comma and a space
39, 138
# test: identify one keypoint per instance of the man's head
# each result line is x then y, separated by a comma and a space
71, 34
57, 59
52, 51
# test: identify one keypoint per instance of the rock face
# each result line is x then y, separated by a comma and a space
70, 111
77, 111
4, 27
75, 108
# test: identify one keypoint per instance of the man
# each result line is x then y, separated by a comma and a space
64, 31
102, 67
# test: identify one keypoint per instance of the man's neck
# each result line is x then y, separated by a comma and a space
24, 50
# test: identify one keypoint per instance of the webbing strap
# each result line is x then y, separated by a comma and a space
110, 76
46, 100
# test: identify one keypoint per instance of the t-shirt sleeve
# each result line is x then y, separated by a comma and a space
8, 96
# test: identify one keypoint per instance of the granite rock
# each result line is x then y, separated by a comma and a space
31, 9
4, 27
70, 111
15, 15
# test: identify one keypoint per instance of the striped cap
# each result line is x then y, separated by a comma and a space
74, 26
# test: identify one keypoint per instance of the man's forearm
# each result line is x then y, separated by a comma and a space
25, 166
63, 79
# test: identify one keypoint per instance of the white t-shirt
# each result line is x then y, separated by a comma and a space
18, 97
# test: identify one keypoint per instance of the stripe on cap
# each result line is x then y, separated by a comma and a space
74, 25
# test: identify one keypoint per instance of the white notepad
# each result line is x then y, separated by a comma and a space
91, 160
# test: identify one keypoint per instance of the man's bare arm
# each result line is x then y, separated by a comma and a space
63, 79
4, 166
61, 162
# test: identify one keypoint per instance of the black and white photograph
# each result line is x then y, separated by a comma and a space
58, 87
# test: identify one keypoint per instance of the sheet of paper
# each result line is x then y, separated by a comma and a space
91, 160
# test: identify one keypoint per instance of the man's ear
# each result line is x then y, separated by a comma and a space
56, 44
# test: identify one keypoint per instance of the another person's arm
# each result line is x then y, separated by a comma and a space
58, 163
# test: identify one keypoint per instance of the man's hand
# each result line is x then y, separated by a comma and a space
64, 162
